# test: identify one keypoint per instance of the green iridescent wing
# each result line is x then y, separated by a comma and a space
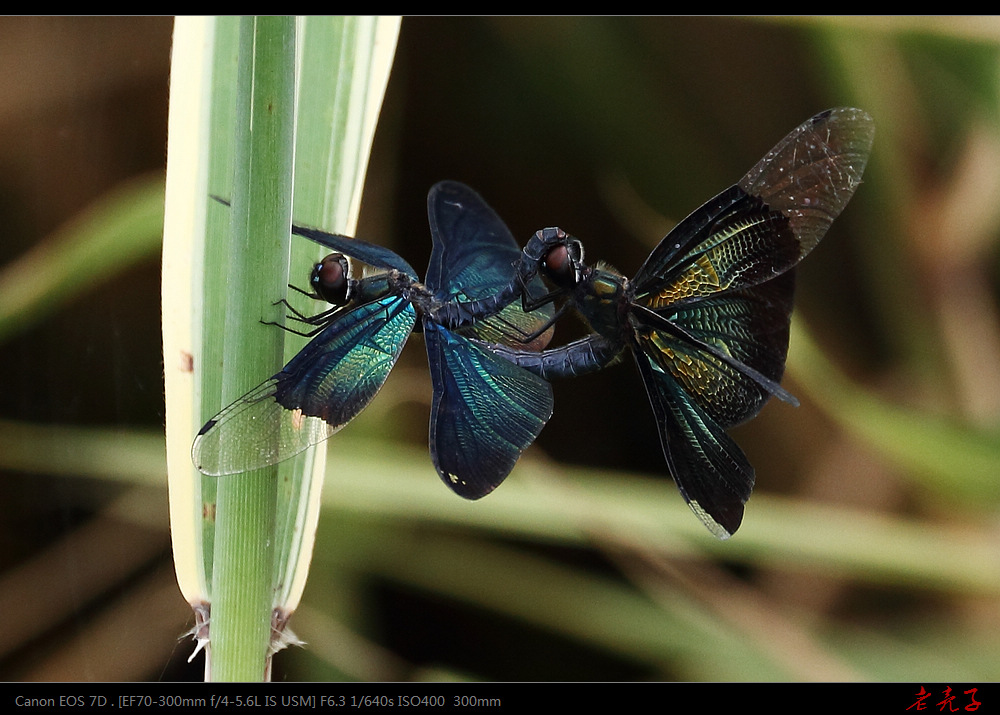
710, 470
485, 412
320, 390
711, 306
695, 395
769, 221
749, 326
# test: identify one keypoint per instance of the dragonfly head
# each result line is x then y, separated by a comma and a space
331, 279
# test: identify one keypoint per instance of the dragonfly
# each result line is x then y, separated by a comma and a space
707, 315
485, 409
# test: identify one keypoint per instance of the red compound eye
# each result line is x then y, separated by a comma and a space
558, 266
329, 279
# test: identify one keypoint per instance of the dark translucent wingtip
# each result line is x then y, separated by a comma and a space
722, 523
813, 172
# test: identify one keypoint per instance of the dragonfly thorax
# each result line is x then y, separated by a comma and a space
331, 281
601, 296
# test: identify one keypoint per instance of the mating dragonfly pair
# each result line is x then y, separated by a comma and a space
706, 319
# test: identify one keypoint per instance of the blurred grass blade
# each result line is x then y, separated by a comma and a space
958, 462
117, 230
553, 504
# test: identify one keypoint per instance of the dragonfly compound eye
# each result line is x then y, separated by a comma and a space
330, 279
557, 265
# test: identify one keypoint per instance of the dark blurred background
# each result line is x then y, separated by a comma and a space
613, 129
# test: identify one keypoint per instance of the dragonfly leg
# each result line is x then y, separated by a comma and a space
308, 294
318, 321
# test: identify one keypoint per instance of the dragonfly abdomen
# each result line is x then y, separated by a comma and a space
579, 357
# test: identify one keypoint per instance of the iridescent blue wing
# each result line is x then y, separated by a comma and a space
320, 390
710, 470
473, 256
485, 410
473, 251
